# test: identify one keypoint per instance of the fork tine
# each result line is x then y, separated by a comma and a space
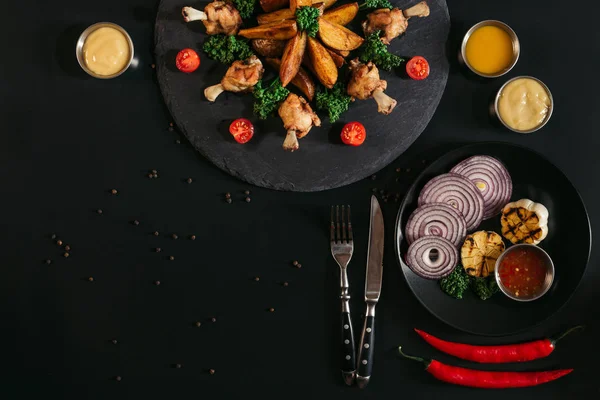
337, 223
331, 227
343, 223
349, 225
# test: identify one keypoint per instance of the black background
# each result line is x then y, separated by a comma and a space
67, 140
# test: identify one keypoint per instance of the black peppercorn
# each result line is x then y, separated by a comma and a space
156, 233
198, 324
398, 169
48, 261
246, 192
229, 201
53, 236
150, 175
67, 247
174, 236
285, 284
118, 378
158, 249
248, 199
211, 371
99, 211
227, 195
171, 124
213, 319
192, 237
177, 141
407, 169
256, 278
373, 177
136, 222
189, 180
299, 265
114, 191
295, 263
152, 66
271, 309
114, 341
91, 279
157, 283
66, 254
178, 366
171, 258
59, 242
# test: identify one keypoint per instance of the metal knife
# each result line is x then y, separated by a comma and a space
372, 292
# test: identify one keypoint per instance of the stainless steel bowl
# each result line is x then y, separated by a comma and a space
494, 108
549, 272
513, 37
83, 37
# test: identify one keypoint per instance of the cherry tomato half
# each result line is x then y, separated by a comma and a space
187, 61
417, 68
353, 134
242, 130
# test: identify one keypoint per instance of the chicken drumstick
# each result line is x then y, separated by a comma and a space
240, 77
217, 17
365, 83
298, 118
392, 23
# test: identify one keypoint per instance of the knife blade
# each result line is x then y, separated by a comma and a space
374, 276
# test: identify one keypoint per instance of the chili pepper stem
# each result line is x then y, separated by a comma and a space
575, 328
424, 361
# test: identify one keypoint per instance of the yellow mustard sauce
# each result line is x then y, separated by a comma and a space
106, 51
523, 104
489, 50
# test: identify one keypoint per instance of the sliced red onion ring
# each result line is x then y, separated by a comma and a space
458, 192
491, 178
436, 219
432, 257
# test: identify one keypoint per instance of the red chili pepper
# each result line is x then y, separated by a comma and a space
497, 354
487, 379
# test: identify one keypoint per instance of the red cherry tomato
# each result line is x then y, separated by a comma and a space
353, 134
187, 61
242, 130
417, 68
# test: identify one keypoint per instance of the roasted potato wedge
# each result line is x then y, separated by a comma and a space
326, 3
276, 30
337, 59
302, 80
337, 36
322, 63
292, 57
268, 47
272, 5
299, 3
275, 16
343, 53
342, 15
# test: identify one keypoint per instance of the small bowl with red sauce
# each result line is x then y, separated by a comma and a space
524, 272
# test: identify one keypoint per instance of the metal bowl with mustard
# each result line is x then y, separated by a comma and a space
104, 50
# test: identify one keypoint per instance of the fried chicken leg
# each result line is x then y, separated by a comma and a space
217, 17
365, 83
392, 23
298, 118
240, 77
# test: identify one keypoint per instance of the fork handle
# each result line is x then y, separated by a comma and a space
348, 346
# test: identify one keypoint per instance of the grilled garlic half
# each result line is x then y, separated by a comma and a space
524, 221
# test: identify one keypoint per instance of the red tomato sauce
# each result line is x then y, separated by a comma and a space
523, 272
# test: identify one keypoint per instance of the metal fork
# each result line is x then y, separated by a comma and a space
342, 247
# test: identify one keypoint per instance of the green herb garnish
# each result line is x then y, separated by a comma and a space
307, 19
456, 283
245, 7
375, 4
484, 288
335, 100
226, 49
267, 99
374, 50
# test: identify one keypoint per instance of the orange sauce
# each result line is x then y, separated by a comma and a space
489, 50
523, 272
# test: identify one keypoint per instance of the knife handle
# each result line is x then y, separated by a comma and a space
348, 350
365, 351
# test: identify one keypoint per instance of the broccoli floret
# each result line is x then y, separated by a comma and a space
267, 99
375, 4
226, 49
456, 283
484, 288
307, 19
335, 100
245, 7
374, 50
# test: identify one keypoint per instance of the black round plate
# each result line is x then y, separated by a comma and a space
322, 162
568, 243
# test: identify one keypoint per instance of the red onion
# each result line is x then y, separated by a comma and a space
432, 257
491, 178
458, 192
436, 219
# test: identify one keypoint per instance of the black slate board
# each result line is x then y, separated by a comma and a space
322, 162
